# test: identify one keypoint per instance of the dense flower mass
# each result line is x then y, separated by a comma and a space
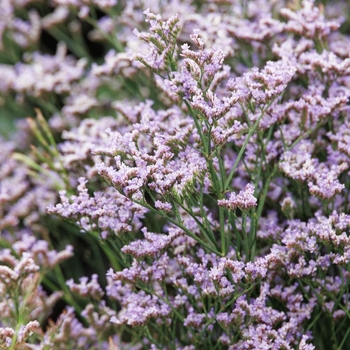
174, 174
244, 200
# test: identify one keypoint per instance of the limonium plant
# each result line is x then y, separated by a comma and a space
174, 175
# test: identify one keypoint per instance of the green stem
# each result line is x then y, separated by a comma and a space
78, 50
264, 193
232, 219
196, 122
186, 230
245, 238
240, 154
208, 234
224, 244
252, 235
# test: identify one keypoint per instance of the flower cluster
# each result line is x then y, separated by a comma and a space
244, 200
185, 183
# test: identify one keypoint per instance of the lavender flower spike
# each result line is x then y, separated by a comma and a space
245, 200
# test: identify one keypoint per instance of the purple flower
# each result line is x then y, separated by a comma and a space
245, 200
265, 85
152, 245
85, 289
308, 21
326, 184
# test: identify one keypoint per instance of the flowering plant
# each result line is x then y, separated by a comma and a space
188, 188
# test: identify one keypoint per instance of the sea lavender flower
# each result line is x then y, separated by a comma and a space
327, 63
140, 308
22, 295
264, 86
245, 200
342, 138
59, 15
194, 320
85, 289
223, 135
157, 166
8, 334
44, 73
153, 244
326, 184
115, 64
110, 212
99, 319
161, 41
305, 346
201, 71
68, 330
298, 163
288, 206
141, 271
40, 251
173, 154
309, 21
163, 206
103, 5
